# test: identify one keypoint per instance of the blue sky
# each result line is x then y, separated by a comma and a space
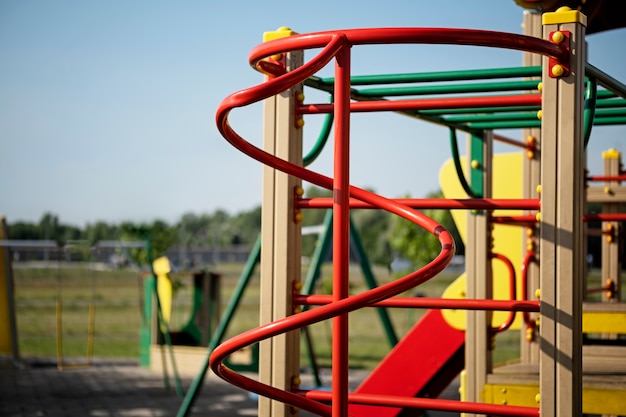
107, 108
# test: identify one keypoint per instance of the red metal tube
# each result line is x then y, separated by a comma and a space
513, 142
608, 289
272, 87
434, 303
528, 258
605, 217
521, 220
434, 203
529, 219
410, 35
604, 178
341, 231
428, 104
431, 404
512, 291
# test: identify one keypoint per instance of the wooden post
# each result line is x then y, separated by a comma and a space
8, 323
611, 262
281, 240
562, 258
478, 346
529, 350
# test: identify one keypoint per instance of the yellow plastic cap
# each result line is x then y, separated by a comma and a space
281, 32
611, 154
564, 15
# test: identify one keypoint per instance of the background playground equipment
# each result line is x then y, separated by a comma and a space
186, 342
558, 149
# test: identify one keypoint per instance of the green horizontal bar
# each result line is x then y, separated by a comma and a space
621, 111
520, 124
449, 88
506, 125
616, 102
526, 116
605, 94
607, 121
500, 117
480, 110
476, 74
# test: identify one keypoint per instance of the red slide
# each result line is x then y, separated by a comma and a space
422, 364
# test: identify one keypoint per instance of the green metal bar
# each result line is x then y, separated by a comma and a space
457, 75
469, 118
609, 121
505, 125
602, 118
449, 88
591, 92
610, 103
614, 112
456, 158
368, 275
520, 120
606, 80
479, 110
477, 164
244, 279
606, 94
145, 332
317, 259
322, 138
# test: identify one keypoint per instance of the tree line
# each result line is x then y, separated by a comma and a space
384, 236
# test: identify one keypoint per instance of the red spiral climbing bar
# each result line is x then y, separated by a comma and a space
336, 45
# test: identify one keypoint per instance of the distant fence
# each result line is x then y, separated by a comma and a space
75, 300
116, 254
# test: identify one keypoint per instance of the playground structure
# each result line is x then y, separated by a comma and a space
550, 379
551, 247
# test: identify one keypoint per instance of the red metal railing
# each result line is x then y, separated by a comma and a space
512, 291
336, 45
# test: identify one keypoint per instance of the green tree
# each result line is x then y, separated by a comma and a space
101, 230
49, 226
52, 229
373, 228
24, 231
245, 227
416, 244
160, 234
193, 230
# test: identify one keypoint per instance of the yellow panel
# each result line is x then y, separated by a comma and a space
520, 395
563, 15
604, 401
604, 322
507, 183
595, 400
456, 318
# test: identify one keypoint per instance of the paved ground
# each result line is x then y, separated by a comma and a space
109, 388
112, 388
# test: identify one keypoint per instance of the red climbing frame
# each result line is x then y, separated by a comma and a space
336, 45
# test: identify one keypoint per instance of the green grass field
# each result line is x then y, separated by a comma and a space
116, 297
